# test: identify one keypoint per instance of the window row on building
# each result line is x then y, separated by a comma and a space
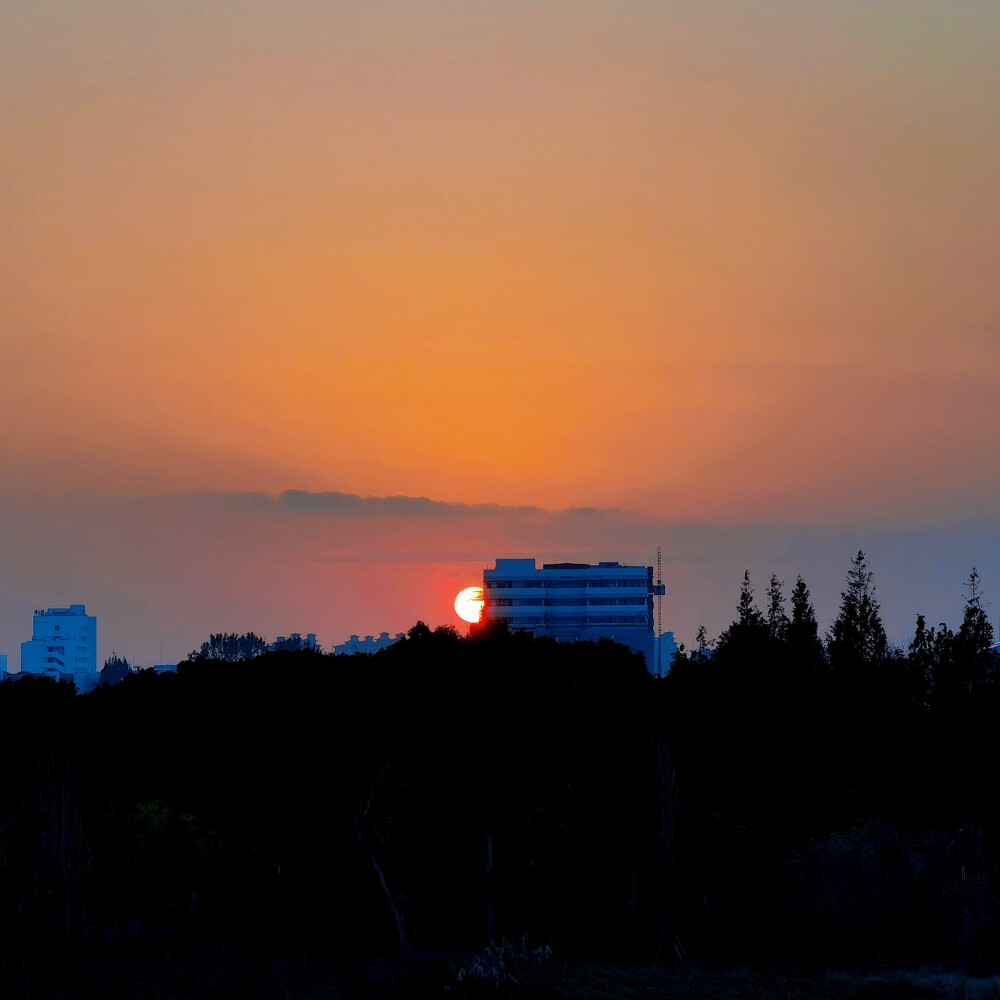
555, 583
565, 602
570, 621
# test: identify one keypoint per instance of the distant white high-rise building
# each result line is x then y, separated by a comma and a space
63, 646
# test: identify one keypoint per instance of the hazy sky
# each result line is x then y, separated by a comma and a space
719, 263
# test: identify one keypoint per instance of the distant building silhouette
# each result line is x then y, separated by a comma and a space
367, 645
668, 649
290, 643
577, 601
63, 646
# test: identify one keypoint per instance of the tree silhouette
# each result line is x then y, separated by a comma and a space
749, 628
777, 620
703, 644
921, 657
974, 639
803, 631
419, 633
857, 638
230, 647
116, 668
304, 811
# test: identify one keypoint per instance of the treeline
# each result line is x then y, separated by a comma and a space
940, 665
776, 799
837, 800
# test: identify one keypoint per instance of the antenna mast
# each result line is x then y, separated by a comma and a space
659, 596
659, 611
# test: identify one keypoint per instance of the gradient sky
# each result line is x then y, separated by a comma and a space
719, 263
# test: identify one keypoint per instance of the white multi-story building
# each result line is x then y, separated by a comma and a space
63, 645
575, 601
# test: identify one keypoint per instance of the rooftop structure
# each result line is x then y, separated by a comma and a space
575, 601
367, 645
293, 642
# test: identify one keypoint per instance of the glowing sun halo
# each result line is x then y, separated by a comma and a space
469, 604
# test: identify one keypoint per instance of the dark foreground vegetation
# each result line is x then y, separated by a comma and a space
306, 825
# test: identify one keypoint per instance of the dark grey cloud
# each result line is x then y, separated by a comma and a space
352, 504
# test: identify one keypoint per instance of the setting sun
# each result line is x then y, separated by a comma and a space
469, 604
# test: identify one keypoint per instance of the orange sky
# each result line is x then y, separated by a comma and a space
718, 259
725, 262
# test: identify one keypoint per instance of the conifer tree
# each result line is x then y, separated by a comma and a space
976, 627
921, 658
747, 613
857, 638
803, 629
750, 626
945, 675
974, 640
777, 620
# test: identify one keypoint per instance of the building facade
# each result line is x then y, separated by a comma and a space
575, 601
63, 645
293, 642
368, 645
